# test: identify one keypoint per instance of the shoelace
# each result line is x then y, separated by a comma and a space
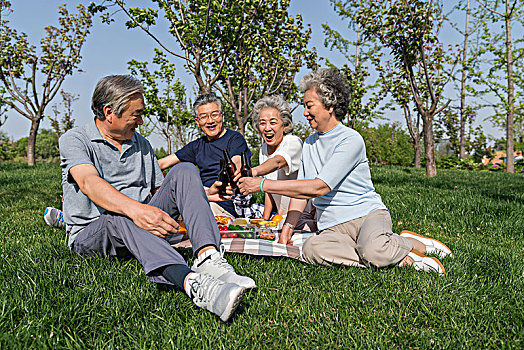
203, 287
60, 219
222, 261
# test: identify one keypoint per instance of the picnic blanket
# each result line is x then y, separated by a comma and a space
259, 247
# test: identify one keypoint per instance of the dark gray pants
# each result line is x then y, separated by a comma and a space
181, 193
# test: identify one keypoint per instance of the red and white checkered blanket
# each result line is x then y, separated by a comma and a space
260, 247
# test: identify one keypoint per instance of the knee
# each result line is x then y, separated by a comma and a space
183, 169
311, 251
372, 254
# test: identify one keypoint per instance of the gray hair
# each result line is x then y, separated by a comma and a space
204, 100
115, 91
278, 103
331, 87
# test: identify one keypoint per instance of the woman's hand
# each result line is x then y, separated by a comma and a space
248, 185
237, 175
213, 195
285, 235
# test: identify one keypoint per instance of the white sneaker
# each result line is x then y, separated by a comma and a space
426, 263
214, 264
432, 245
209, 293
54, 217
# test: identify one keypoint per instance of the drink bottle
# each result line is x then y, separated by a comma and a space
230, 168
245, 169
223, 177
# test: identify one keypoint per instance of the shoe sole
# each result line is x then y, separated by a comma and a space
414, 235
432, 258
236, 296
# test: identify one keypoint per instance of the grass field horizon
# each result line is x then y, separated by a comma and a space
51, 299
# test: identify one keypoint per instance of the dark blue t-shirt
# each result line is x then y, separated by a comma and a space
206, 156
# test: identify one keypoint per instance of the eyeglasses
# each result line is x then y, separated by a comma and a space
204, 117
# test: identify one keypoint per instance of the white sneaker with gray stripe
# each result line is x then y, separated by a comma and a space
214, 295
213, 263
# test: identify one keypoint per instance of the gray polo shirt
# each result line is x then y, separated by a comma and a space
134, 172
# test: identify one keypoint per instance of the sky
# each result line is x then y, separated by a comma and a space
109, 47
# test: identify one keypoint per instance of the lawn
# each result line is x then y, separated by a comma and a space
50, 298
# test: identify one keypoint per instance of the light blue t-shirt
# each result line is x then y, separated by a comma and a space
338, 157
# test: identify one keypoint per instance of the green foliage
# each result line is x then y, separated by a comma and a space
491, 75
161, 152
387, 144
361, 57
447, 124
245, 49
46, 149
453, 162
22, 65
51, 298
5, 146
63, 119
166, 111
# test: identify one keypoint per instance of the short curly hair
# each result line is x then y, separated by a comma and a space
331, 87
278, 103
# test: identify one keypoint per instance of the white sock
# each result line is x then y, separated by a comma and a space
187, 284
206, 253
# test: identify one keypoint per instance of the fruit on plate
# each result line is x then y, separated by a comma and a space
277, 218
271, 223
240, 221
267, 235
222, 220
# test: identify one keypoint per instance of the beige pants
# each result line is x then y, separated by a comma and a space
366, 241
219, 211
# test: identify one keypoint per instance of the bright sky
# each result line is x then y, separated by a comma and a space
109, 48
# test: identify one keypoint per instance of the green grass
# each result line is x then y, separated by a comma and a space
50, 298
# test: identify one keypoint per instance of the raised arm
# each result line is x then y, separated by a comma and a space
98, 190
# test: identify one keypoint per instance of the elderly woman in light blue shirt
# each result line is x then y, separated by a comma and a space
355, 227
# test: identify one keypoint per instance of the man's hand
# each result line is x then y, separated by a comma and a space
248, 185
154, 220
213, 195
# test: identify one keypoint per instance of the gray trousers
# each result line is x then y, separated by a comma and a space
181, 193
366, 241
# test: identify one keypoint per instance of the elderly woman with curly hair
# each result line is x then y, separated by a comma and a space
355, 226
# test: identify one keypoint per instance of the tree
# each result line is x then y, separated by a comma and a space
165, 97
266, 60
394, 84
504, 59
245, 49
468, 65
21, 66
358, 53
409, 29
63, 119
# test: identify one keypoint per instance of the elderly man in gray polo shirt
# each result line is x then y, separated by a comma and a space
109, 179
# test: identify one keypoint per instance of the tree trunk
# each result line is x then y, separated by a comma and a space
417, 156
429, 144
169, 146
31, 141
462, 152
510, 164
241, 126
